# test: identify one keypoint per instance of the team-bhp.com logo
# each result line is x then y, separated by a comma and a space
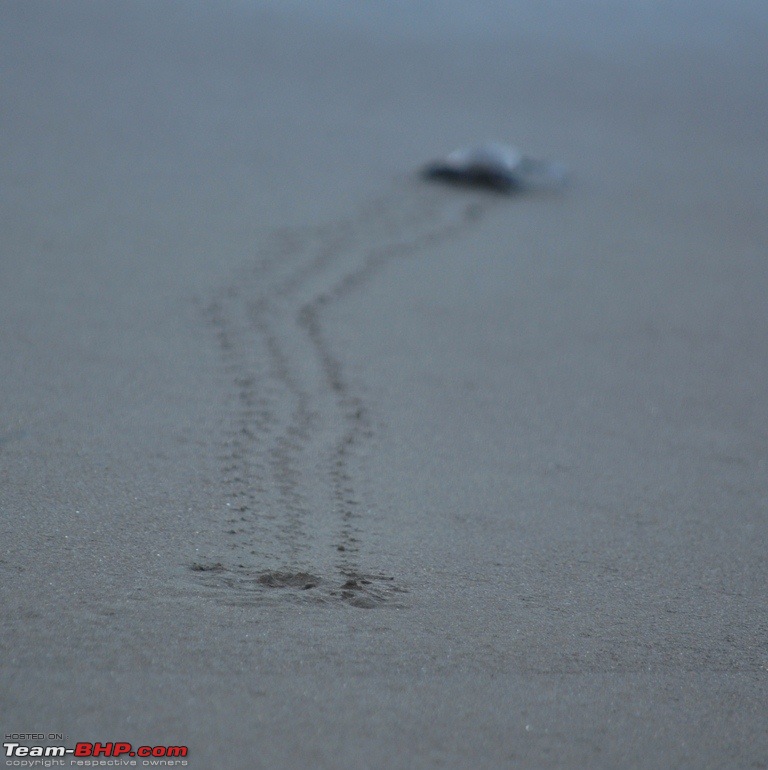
150, 755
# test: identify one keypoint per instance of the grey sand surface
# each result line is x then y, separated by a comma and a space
307, 463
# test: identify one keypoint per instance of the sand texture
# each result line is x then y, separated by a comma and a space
308, 461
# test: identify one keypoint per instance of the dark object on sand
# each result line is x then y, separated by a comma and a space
497, 167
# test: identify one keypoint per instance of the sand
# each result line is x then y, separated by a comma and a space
306, 462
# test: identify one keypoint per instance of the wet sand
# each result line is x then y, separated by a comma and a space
307, 462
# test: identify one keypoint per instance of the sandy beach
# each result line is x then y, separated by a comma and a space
307, 462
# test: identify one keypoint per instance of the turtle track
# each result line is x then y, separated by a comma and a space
292, 450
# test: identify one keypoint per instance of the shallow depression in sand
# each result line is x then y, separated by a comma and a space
242, 586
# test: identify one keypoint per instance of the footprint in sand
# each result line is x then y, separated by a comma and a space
291, 458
